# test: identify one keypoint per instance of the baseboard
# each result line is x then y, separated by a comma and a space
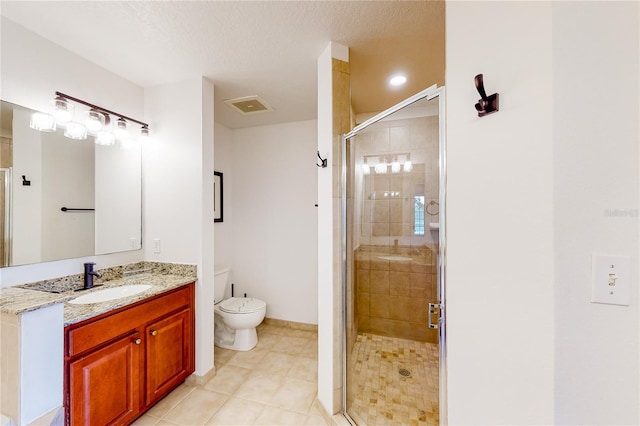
196, 380
291, 324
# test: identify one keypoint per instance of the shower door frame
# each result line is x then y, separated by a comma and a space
429, 93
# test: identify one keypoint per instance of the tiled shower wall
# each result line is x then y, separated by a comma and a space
392, 296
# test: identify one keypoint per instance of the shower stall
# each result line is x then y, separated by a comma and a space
393, 272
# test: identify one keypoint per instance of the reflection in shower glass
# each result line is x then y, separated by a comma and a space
392, 356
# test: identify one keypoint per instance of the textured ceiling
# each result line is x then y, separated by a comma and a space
265, 48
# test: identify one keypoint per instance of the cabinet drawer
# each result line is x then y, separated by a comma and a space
93, 332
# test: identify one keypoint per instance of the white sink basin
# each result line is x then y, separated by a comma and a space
395, 258
110, 294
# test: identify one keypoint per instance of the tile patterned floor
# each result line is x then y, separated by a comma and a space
383, 396
273, 384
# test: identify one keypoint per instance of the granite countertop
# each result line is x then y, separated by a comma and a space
18, 300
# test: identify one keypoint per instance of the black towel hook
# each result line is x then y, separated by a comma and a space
323, 161
486, 104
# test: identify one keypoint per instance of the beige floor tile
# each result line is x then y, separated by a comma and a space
292, 332
267, 340
170, 401
259, 387
291, 345
274, 329
222, 355
227, 379
295, 395
304, 369
277, 416
249, 359
315, 421
198, 407
237, 411
310, 350
163, 422
146, 420
393, 381
277, 363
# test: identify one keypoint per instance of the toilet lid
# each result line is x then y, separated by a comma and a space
242, 305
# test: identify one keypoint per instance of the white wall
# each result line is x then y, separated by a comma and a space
554, 165
275, 218
178, 192
596, 138
223, 158
500, 261
329, 271
32, 69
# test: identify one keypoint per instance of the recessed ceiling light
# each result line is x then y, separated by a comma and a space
398, 80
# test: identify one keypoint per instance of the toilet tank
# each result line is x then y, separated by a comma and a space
220, 281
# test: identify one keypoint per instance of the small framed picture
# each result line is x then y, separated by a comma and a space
217, 197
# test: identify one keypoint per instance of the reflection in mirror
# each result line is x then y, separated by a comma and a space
398, 178
62, 198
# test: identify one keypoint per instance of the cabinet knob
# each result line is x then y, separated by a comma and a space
137, 341
154, 332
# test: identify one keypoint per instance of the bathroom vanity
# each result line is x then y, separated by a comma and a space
121, 362
104, 361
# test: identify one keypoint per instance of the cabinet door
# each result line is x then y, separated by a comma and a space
105, 384
169, 352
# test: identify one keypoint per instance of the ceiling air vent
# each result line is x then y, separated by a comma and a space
249, 105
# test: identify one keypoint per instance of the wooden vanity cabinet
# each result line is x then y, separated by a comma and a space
120, 363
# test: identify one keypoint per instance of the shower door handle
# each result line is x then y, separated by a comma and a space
434, 309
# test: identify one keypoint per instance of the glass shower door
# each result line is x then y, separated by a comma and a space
392, 278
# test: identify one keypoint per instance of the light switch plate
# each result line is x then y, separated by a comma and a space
156, 245
610, 279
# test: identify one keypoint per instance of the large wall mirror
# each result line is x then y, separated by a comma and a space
62, 198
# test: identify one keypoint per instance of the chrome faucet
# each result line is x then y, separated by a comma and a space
89, 275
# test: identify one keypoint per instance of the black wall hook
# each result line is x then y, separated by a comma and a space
25, 182
486, 104
323, 161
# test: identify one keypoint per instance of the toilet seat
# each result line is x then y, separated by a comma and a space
242, 305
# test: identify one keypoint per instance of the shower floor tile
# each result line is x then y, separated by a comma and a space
393, 381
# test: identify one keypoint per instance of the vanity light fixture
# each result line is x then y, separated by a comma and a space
76, 131
395, 165
106, 138
365, 167
381, 168
144, 134
43, 122
96, 121
62, 110
121, 129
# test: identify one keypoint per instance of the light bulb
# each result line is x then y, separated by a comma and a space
121, 129
395, 167
408, 166
75, 130
95, 121
397, 80
106, 138
62, 110
381, 168
144, 134
43, 122
366, 169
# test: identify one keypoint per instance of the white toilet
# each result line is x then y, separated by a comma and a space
236, 318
